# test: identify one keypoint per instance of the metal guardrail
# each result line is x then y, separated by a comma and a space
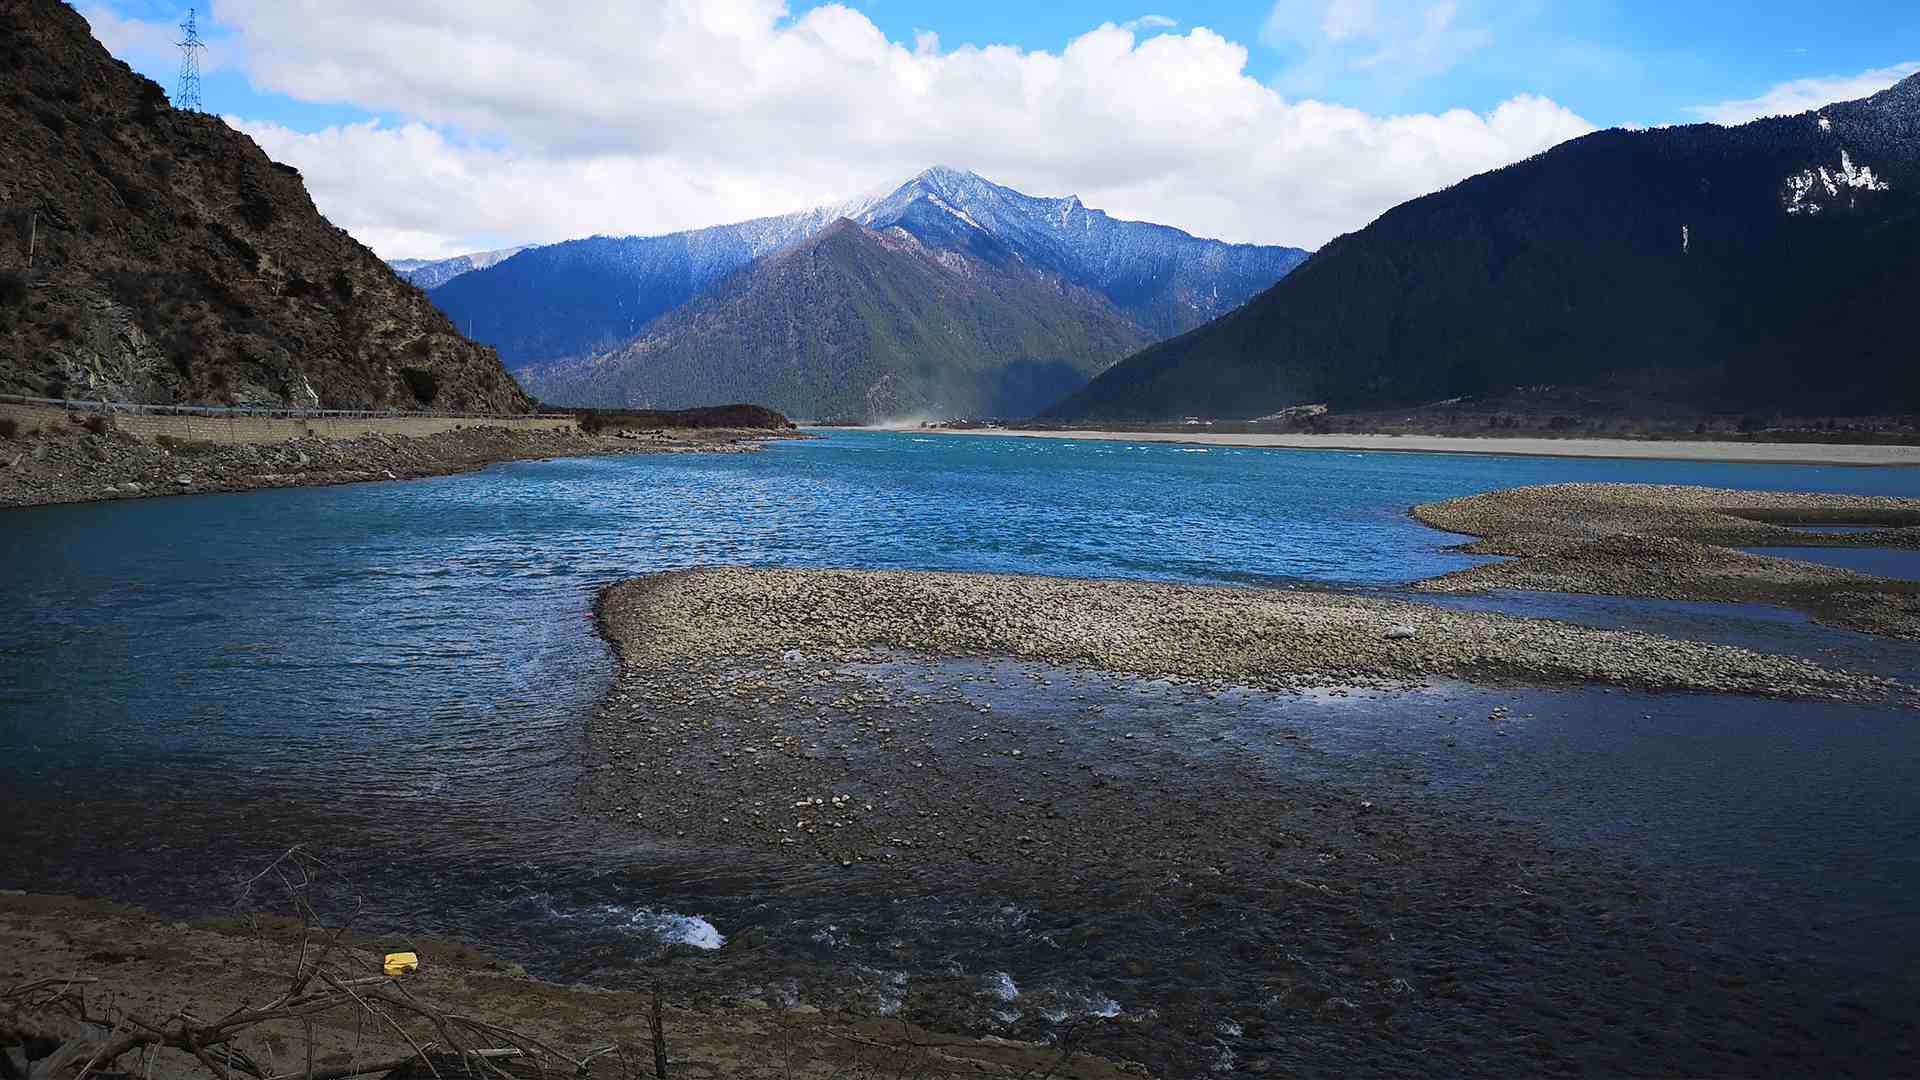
138, 408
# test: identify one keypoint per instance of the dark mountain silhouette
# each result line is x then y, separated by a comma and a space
1771, 265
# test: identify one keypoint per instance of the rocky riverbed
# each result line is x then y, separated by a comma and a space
1110, 750
1271, 639
72, 462
1678, 543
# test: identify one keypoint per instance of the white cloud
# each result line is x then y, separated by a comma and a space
1401, 41
1802, 95
1149, 22
680, 113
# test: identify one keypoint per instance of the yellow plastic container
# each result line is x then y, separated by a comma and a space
402, 963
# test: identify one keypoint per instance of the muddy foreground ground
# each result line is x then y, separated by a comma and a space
154, 968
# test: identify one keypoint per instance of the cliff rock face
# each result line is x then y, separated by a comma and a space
1769, 266
154, 255
861, 324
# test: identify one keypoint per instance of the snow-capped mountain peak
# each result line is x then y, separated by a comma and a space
432, 273
1167, 280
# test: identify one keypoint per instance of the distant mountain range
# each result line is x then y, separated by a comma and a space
865, 324
1772, 265
587, 297
156, 255
433, 273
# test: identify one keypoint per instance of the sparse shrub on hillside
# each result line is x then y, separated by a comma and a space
97, 424
591, 422
342, 284
13, 288
51, 119
424, 385
63, 330
182, 346
236, 243
152, 100
422, 346
1750, 424
257, 210
9, 428
55, 388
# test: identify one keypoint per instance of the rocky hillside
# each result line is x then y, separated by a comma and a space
856, 323
1767, 266
154, 255
585, 296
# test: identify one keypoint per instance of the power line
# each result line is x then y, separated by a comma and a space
188, 96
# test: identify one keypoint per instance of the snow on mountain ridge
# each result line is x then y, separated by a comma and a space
432, 273
1167, 280
1801, 193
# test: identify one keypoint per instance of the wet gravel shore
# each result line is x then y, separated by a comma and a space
1272, 639
1075, 753
1677, 543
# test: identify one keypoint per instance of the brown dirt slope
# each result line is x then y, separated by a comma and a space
173, 261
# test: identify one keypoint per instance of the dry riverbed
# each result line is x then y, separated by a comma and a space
68, 462
1678, 543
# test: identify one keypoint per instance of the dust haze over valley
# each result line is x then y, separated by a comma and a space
732, 539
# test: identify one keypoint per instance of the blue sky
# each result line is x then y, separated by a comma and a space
1612, 62
427, 128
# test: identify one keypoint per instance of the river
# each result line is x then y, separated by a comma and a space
399, 674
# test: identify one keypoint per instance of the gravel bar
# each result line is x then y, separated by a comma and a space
1676, 542
1267, 639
